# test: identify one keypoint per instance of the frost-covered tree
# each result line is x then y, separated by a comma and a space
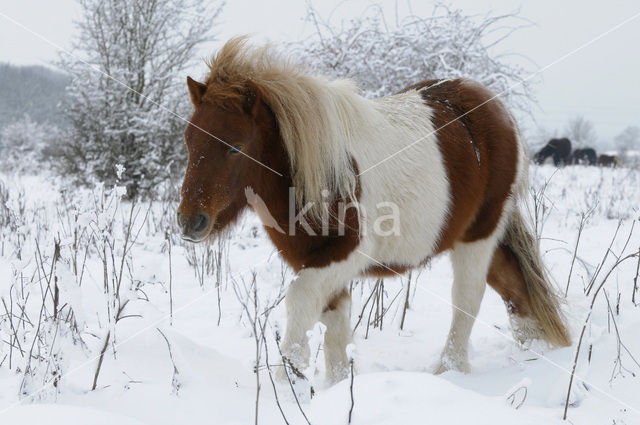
32, 90
383, 57
540, 136
581, 132
627, 140
127, 75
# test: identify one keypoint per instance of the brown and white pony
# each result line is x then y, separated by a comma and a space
263, 125
608, 161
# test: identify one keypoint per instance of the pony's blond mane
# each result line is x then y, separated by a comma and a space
318, 119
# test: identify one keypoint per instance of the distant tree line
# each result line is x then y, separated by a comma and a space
32, 90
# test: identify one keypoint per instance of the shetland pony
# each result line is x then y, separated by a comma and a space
303, 145
585, 156
608, 161
558, 149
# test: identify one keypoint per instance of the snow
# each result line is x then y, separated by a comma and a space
204, 372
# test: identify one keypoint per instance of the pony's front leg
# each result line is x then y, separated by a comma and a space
336, 316
305, 301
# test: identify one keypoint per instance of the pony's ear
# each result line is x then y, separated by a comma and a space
252, 99
196, 90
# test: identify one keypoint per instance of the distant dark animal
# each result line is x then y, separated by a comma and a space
608, 161
268, 135
558, 149
586, 156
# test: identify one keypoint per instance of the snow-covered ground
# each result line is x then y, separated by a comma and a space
181, 348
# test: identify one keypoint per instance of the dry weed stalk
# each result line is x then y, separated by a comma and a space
619, 260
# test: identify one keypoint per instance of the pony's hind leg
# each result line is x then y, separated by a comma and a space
470, 264
336, 316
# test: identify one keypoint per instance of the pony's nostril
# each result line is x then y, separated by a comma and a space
192, 226
200, 222
180, 220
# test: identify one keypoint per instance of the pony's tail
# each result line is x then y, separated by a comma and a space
544, 301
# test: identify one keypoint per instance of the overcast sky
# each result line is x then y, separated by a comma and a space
599, 82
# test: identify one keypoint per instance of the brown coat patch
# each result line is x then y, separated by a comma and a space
480, 151
300, 250
387, 270
608, 161
334, 302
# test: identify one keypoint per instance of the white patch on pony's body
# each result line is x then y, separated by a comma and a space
415, 180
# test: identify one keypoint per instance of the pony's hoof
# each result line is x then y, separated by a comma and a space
448, 363
524, 329
336, 373
281, 374
294, 387
284, 374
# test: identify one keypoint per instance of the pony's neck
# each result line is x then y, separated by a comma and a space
272, 188
297, 247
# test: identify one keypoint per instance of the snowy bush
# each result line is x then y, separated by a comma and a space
384, 58
25, 144
581, 132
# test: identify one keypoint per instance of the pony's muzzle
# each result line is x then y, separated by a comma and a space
194, 227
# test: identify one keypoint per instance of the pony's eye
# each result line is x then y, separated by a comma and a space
234, 150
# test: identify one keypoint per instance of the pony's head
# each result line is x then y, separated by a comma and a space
225, 139
260, 113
